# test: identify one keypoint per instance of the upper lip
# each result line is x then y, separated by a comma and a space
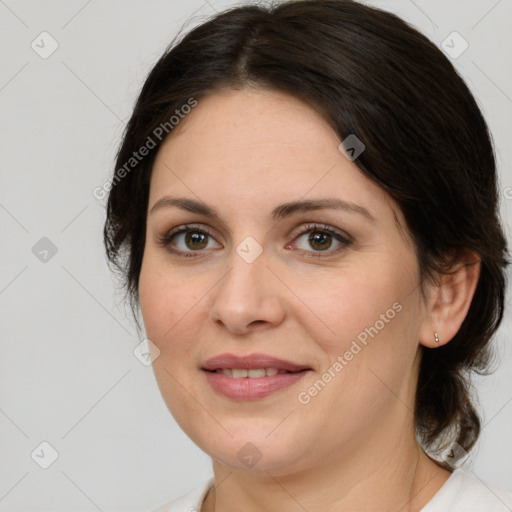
250, 362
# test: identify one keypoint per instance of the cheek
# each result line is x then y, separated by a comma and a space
376, 316
153, 299
167, 304
365, 319
352, 303
166, 297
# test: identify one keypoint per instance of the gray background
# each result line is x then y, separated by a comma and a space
68, 375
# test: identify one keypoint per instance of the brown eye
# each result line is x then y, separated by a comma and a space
321, 238
186, 240
196, 240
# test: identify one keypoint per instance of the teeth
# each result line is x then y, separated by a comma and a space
237, 374
253, 373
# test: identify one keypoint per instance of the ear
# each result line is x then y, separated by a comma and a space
448, 300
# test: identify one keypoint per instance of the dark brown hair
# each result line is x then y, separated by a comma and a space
427, 144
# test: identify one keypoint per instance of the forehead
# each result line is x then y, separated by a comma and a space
259, 148
234, 125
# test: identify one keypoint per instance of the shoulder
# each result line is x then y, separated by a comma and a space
466, 492
189, 502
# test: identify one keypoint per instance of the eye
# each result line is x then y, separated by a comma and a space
193, 239
320, 238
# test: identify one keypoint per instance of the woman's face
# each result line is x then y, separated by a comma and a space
335, 290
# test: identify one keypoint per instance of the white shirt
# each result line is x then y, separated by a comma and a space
462, 492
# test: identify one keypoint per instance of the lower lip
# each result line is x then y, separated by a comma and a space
247, 388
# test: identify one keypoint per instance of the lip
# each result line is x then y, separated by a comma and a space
252, 361
247, 388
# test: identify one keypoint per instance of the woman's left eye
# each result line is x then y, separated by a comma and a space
321, 237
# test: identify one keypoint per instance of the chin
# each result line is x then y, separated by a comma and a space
255, 455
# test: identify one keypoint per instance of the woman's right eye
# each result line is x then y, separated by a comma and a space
192, 239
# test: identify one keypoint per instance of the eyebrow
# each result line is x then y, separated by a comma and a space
280, 212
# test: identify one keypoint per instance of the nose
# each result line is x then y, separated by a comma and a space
249, 296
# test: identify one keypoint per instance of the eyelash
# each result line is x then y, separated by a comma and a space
165, 240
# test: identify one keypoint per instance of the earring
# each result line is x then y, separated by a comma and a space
436, 338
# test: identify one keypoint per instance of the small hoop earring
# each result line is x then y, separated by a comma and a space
436, 338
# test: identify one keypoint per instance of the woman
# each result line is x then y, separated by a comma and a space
305, 210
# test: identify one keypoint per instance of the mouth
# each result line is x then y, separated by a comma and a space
251, 377
252, 373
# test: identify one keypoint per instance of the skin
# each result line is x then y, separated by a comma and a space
352, 447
